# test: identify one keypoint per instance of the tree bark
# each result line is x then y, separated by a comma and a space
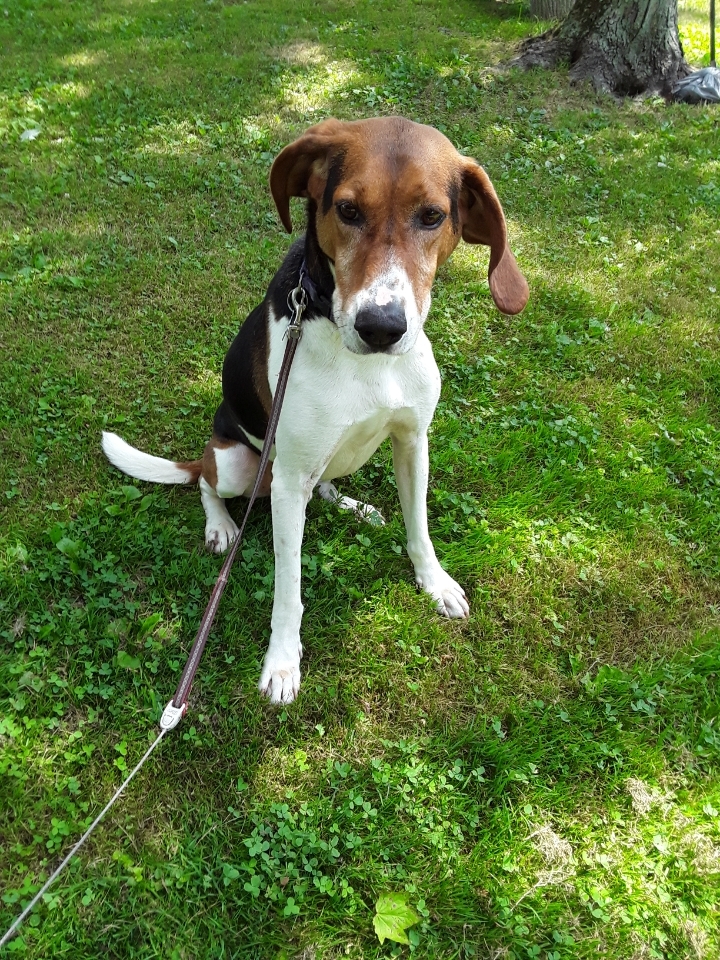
550, 9
624, 47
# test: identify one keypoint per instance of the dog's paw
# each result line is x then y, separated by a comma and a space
453, 603
220, 533
447, 594
365, 511
369, 513
280, 677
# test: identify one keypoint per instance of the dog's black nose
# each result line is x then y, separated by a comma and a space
380, 327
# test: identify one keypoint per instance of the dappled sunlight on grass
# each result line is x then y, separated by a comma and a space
85, 58
309, 94
22, 111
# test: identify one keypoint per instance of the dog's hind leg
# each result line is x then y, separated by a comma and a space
229, 470
366, 511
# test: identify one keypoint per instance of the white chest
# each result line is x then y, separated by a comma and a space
340, 406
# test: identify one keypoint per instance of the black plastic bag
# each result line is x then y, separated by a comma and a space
703, 86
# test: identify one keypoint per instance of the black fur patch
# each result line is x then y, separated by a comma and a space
242, 410
318, 263
226, 427
334, 177
454, 194
242, 407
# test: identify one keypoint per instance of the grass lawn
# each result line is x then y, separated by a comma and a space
540, 781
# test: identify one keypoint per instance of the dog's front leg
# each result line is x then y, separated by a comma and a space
280, 677
410, 458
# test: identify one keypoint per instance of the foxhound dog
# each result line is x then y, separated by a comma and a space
388, 201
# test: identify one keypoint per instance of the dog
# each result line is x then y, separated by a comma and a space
388, 200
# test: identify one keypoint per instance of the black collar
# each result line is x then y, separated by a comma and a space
320, 301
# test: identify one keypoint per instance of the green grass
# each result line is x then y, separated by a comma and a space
542, 781
694, 22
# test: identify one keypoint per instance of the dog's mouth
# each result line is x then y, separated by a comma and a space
364, 350
360, 347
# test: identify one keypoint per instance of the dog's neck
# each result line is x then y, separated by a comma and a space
318, 267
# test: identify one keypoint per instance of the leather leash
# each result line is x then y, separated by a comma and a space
175, 710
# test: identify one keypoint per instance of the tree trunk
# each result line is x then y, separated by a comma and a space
625, 47
550, 9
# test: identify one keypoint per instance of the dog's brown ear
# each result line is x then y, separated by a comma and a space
293, 166
482, 221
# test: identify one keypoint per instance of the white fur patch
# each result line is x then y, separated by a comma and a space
383, 296
365, 511
142, 466
220, 528
280, 677
392, 284
236, 470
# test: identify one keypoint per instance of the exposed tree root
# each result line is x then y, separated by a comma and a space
623, 47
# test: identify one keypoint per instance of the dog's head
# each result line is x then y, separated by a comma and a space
391, 200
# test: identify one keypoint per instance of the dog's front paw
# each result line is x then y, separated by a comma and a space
280, 677
220, 533
448, 595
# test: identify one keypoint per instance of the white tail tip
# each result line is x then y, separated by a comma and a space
142, 466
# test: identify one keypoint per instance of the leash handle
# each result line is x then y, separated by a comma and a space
175, 710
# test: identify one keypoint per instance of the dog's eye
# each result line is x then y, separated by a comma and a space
431, 217
348, 211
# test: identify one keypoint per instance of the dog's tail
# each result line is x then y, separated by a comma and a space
143, 466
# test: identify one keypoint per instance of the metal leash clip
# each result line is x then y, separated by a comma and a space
297, 302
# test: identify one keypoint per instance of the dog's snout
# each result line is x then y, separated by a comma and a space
381, 327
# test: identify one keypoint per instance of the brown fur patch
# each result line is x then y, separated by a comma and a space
264, 489
208, 464
193, 467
